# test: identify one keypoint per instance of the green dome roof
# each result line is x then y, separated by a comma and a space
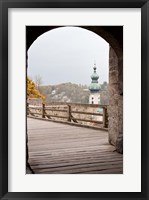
94, 86
94, 76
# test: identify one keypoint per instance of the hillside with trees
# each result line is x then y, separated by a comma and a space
70, 92
65, 92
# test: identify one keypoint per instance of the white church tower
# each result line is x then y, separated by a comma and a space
94, 88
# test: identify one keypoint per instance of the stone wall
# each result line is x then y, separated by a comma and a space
115, 110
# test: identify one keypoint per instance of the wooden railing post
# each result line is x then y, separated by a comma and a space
43, 110
69, 113
27, 108
105, 117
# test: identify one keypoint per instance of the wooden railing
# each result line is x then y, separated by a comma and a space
86, 114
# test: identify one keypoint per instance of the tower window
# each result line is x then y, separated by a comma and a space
92, 102
92, 97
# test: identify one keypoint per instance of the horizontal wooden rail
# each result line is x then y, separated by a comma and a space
36, 107
35, 113
87, 113
60, 110
58, 116
70, 114
76, 104
87, 120
57, 110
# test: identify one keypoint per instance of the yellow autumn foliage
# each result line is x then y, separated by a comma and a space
32, 91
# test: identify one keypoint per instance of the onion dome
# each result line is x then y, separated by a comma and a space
95, 76
94, 86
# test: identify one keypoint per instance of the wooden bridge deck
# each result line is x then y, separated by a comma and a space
56, 148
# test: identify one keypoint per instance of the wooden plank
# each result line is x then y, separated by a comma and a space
78, 169
87, 113
96, 127
35, 113
88, 120
56, 110
56, 116
35, 108
76, 104
105, 171
77, 161
63, 149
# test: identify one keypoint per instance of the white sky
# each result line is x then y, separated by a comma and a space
67, 54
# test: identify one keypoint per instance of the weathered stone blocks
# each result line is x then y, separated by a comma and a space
115, 110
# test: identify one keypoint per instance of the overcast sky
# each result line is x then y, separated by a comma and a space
68, 54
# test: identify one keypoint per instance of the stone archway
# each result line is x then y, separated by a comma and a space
114, 36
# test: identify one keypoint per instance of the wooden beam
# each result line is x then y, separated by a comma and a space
88, 120
48, 115
87, 113
57, 110
43, 110
105, 118
69, 113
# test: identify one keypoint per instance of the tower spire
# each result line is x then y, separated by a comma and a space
94, 66
94, 86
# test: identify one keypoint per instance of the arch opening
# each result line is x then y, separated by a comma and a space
114, 36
